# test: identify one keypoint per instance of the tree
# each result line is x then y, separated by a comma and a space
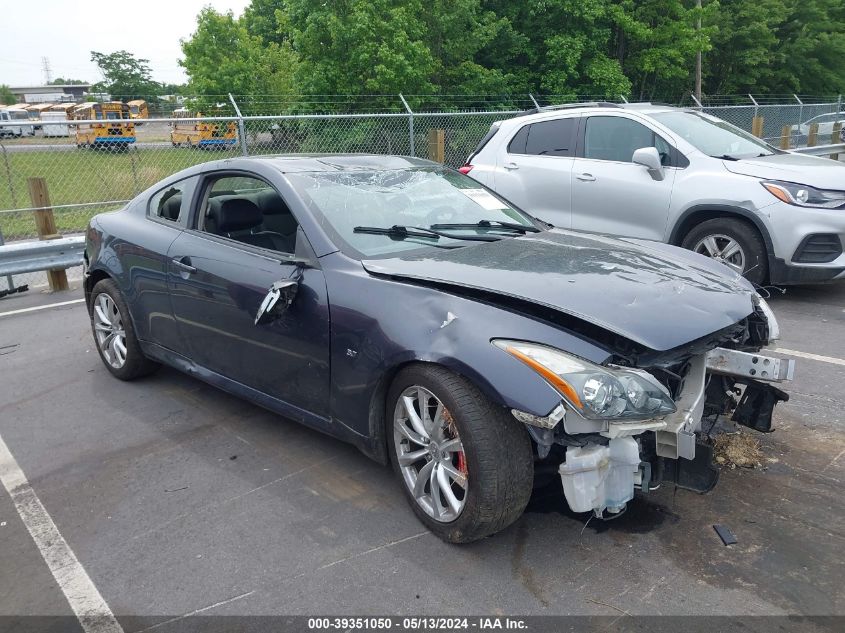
7, 97
373, 47
61, 81
124, 76
221, 57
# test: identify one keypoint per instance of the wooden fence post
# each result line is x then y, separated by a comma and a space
813, 136
45, 223
757, 126
835, 138
437, 145
786, 137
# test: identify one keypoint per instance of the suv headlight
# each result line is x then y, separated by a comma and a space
597, 393
804, 195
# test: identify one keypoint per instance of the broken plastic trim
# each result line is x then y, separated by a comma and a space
549, 421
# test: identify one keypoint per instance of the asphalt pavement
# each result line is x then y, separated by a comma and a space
175, 498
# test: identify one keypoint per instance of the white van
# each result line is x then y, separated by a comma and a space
54, 124
12, 115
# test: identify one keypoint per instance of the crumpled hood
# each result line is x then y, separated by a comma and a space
654, 294
814, 171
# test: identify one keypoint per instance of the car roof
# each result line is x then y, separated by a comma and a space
594, 106
301, 163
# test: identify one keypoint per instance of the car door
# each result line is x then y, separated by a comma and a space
222, 269
611, 194
534, 167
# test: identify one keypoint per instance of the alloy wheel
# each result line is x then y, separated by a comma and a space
430, 454
109, 330
724, 249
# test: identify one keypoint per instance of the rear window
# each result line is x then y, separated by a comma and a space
546, 138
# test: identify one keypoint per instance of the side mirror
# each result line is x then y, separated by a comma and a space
649, 158
277, 301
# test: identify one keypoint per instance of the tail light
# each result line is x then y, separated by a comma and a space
465, 169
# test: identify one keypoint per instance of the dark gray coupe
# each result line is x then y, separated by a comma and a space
404, 308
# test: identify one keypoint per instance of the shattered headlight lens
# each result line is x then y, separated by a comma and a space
596, 392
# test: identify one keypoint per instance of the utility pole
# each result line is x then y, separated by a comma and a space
698, 55
48, 73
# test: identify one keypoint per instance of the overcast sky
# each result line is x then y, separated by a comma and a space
66, 31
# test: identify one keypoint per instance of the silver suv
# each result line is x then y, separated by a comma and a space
674, 175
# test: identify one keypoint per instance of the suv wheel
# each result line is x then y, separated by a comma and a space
733, 243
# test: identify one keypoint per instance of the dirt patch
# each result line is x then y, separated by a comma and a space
738, 450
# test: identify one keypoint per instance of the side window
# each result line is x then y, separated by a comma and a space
248, 210
168, 203
518, 142
546, 138
616, 138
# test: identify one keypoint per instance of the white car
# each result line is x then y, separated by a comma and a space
677, 176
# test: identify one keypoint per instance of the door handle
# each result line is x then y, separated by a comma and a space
511, 166
585, 177
184, 264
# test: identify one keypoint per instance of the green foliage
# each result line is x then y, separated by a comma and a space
643, 49
61, 81
222, 57
6, 96
124, 76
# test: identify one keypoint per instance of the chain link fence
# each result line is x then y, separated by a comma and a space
85, 178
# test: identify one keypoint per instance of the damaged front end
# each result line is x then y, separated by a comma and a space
644, 418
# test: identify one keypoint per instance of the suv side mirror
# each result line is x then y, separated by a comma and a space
649, 158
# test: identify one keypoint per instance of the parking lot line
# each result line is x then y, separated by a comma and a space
45, 307
84, 599
807, 355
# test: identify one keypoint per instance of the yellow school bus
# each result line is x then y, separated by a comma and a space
138, 109
113, 132
67, 108
200, 134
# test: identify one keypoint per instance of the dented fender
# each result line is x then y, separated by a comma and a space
429, 325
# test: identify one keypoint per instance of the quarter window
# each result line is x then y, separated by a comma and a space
546, 138
168, 203
617, 138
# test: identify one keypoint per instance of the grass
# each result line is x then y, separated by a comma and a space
78, 176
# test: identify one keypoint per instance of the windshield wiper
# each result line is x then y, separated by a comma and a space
489, 224
399, 232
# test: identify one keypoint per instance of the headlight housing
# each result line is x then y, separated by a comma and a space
596, 392
774, 328
804, 195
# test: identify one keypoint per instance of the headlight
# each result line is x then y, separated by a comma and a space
597, 393
804, 196
774, 328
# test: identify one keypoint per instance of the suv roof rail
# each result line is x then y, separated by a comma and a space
566, 106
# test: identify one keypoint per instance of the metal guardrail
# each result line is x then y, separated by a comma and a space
27, 257
821, 150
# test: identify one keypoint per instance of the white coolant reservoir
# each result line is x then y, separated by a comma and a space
598, 477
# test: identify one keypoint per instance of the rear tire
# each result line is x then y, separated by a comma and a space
494, 455
721, 236
110, 320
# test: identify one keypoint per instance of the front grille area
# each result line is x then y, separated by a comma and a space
671, 377
818, 248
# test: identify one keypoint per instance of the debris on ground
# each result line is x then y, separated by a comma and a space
725, 534
738, 450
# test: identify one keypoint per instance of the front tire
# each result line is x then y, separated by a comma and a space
114, 333
732, 242
465, 464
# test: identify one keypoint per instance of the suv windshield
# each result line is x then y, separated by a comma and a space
415, 197
713, 136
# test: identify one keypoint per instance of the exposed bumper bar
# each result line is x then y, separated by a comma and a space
756, 366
